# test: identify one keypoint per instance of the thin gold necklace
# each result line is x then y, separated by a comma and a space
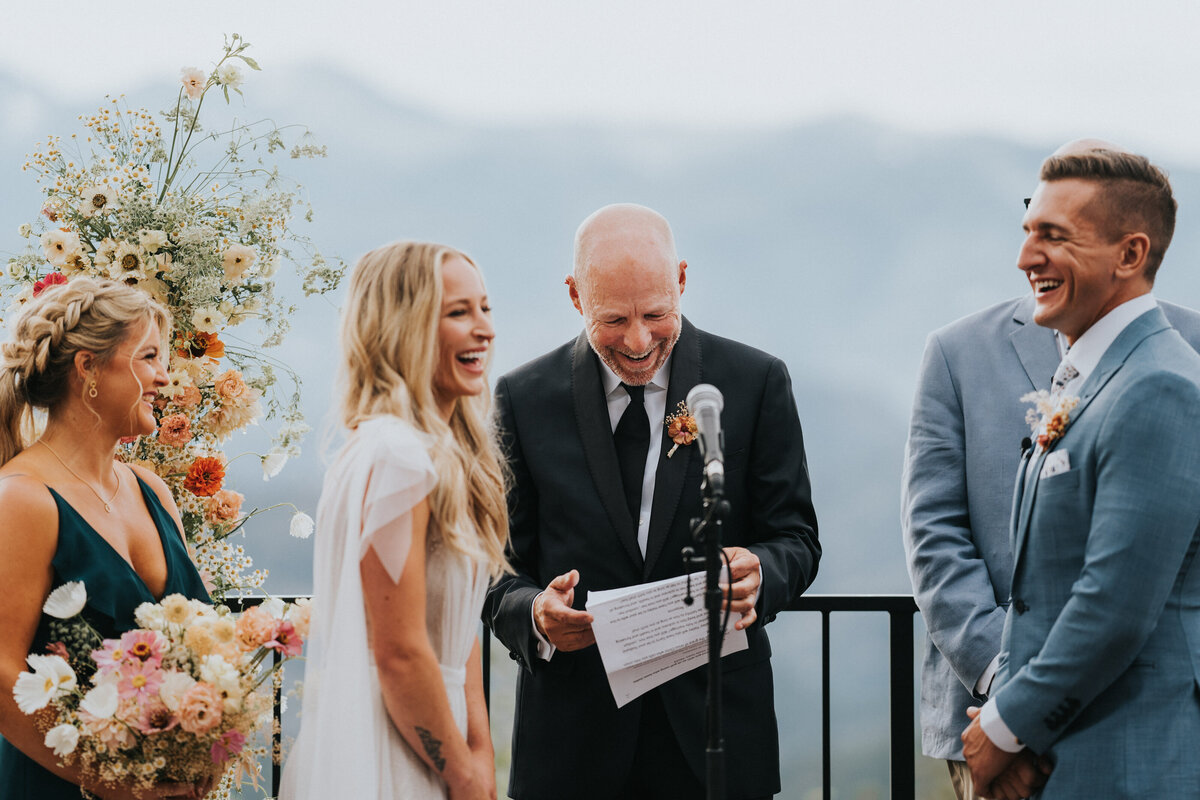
107, 507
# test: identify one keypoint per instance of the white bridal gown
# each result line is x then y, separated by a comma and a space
347, 746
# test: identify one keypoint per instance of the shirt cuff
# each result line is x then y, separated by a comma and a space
983, 686
544, 648
996, 730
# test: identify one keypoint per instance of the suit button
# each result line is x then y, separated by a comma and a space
513, 655
1019, 606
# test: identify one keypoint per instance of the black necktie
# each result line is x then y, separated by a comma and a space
632, 438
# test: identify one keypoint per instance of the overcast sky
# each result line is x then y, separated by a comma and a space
1041, 71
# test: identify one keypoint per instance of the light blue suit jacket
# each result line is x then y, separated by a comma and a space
963, 450
1100, 662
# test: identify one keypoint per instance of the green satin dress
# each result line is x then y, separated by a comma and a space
114, 590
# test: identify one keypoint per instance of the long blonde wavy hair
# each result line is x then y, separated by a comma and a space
390, 351
87, 314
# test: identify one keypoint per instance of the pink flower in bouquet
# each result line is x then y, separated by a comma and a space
300, 615
200, 708
145, 646
228, 746
110, 657
110, 731
139, 680
156, 717
175, 430
255, 628
224, 506
287, 642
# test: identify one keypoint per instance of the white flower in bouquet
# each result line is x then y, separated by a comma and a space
174, 687
62, 739
102, 699
272, 464
229, 74
25, 230
61, 246
98, 199
237, 259
208, 320
301, 526
128, 263
194, 81
273, 606
51, 678
150, 616
153, 241
66, 601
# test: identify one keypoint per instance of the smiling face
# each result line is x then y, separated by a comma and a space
127, 384
1077, 272
627, 288
465, 335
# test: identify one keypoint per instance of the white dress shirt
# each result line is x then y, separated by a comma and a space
1085, 356
655, 400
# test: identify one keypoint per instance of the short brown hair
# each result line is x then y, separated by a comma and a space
1134, 196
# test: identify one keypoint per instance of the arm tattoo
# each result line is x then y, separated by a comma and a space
433, 748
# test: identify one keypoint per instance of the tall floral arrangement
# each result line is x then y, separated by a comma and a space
200, 220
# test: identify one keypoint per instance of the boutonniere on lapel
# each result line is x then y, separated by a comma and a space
681, 427
1050, 415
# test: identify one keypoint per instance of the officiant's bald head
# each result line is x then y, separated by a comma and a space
626, 283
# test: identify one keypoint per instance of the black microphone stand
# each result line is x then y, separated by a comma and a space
707, 531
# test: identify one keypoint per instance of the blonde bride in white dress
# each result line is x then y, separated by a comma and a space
410, 528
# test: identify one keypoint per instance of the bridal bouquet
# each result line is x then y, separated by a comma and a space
128, 199
178, 699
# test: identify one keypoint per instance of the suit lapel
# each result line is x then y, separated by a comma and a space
1035, 346
1114, 358
669, 479
595, 432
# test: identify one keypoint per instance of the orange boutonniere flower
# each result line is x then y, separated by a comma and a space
200, 345
1050, 416
681, 427
205, 476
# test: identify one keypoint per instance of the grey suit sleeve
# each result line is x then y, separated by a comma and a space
507, 610
950, 579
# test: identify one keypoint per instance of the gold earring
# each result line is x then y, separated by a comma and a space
92, 391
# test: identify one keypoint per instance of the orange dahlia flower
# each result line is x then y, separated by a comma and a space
205, 476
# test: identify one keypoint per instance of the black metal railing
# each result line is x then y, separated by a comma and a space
900, 609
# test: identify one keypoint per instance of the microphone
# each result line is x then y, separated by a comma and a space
705, 401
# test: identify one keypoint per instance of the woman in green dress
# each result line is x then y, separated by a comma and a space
91, 355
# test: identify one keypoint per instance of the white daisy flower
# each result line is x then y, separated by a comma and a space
208, 320
52, 676
62, 739
66, 601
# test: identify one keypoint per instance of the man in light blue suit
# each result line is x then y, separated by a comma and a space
963, 451
1100, 659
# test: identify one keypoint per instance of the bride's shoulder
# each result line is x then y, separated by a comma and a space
388, 438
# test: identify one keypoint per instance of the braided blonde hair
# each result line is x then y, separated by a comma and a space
86, 314
389, 359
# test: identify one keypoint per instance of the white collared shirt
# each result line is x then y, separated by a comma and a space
1085, 356
655, 400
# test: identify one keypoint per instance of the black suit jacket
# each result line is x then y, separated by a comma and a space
567, 511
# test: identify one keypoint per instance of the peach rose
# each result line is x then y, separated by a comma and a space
224, 506
230, 386
200, 708
255, 628
175, 430
187, 397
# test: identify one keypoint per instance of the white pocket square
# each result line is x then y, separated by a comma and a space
1056, 462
